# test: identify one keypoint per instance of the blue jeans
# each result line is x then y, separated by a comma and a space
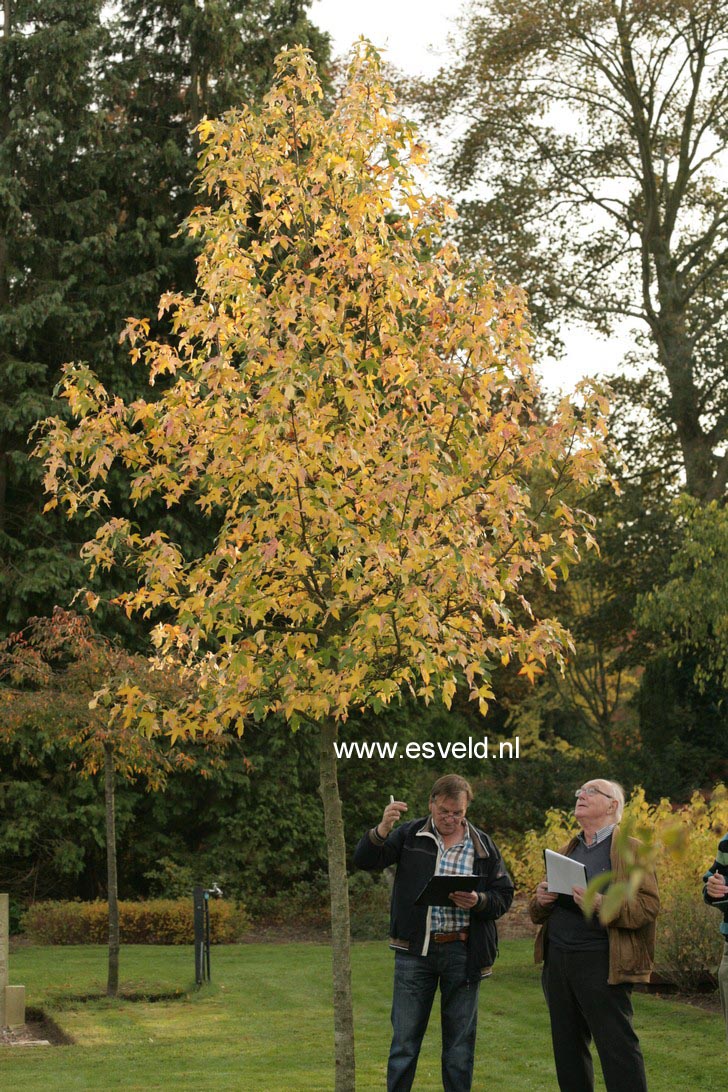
416, 979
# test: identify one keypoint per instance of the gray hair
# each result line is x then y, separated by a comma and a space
618, 794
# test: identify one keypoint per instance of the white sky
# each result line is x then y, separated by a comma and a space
412, 35
402, 29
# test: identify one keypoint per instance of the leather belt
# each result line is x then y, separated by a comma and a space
448, 938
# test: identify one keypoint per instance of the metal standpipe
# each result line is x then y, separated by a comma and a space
201, 908
201, 918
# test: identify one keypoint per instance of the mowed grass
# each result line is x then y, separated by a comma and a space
265, 1024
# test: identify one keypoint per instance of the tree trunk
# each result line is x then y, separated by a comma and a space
339, 893
112, 983
676, 356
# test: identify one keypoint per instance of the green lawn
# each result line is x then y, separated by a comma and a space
265, 1025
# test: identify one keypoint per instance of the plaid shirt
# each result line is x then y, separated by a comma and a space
458, 860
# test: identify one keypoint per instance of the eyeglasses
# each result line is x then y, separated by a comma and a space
449, 814
591, 790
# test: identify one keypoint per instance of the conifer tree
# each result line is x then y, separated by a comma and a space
97, 159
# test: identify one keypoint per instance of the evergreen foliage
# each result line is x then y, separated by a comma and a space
97, 160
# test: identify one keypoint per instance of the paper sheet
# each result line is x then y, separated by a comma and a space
562, 873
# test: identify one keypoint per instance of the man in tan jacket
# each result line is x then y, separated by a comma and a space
590, 964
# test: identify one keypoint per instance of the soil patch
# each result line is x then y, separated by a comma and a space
709, 1000
67, 1001
38, 1029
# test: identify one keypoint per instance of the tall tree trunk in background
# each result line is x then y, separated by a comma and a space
345, 1080
112, 982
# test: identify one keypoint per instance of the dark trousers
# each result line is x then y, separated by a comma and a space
416, 979
583, 1007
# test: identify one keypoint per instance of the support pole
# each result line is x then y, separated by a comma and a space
12, 998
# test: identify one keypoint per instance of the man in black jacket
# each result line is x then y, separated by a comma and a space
452, 946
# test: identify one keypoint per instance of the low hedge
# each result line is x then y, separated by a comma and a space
689, 945
157, 921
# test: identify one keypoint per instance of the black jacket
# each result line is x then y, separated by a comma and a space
415, 855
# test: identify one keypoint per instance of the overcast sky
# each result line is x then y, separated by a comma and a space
405, 29
412, 34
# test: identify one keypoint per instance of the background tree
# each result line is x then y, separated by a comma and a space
55, 670
690, 608
587, 704
356, 411
96, 163
184, 60
590, 151
53, 234
593, 704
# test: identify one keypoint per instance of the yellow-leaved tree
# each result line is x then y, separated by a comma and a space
357, 414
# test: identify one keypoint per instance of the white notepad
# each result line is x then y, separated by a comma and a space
562, 873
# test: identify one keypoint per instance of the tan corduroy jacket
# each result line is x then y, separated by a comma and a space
631, 934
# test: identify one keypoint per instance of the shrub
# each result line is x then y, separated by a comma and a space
369, 898
56, 923
170, 880
305, 903
688, 942
524, 856
158, 921
684, 838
